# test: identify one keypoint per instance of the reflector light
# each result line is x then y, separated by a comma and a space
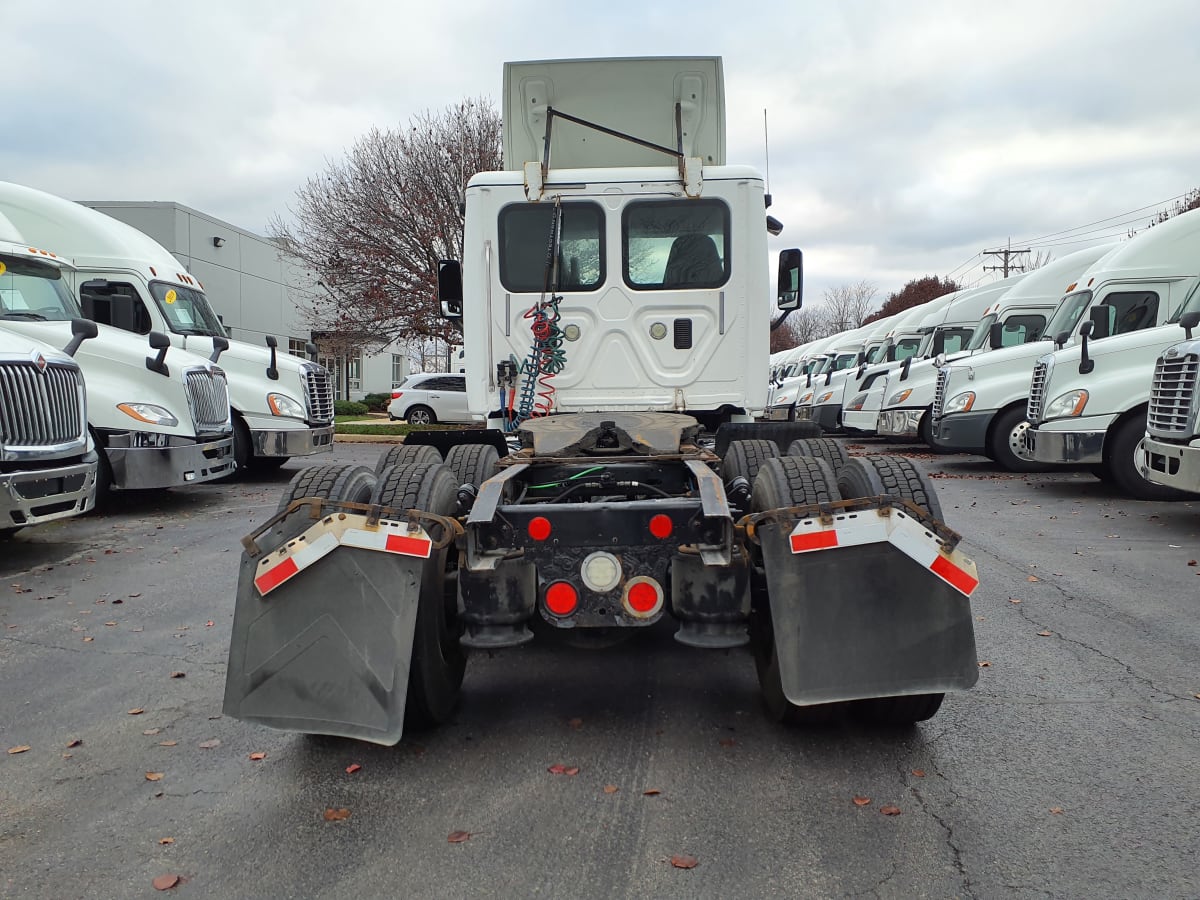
561, 598
643, 597
661, 526
539, 528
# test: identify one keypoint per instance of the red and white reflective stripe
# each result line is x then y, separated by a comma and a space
389, 541
905, 533
274, 570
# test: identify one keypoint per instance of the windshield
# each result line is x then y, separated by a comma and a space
908, 346
1192, 304
186, 310
876, 353
844, 361
982, 330
30, 289
955, 339
1070, 308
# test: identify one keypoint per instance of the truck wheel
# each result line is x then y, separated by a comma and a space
330, 482
242, 447
870, 476
472, 463
420, 415
826, 448
1120, 462
404, 454
6, 533
783, 482
746, 458
1005, 438
438, 661
104, 477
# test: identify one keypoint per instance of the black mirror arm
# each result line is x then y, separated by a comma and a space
220, 345
1086, 364
272, 370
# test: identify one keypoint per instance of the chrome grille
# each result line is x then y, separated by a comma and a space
939, 392
1171, 395
318, 388
1037, 393
40, 408
208, 397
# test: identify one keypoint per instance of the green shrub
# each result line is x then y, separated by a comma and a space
377, 402
349, 408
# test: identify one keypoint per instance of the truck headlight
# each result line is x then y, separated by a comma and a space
283, 405
807, 397
823, 398
149, 413
857, 403
899, 397
1069, 404
959, 403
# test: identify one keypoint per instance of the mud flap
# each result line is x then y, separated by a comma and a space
869, 603
323, 630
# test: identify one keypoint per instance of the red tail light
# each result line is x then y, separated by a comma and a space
643, 597
397, 394
661, 526
539, 528
561, 598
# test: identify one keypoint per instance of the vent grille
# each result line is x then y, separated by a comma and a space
939, 393
1037, 393
208, 397
1171, 395
318, 388
683, 334
40, 408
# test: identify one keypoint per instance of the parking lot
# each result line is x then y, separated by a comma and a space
1071, 769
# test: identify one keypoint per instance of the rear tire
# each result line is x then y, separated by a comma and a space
826, 448
438, 662
746, 458
783, 482
406, 454
330, 482
899, 712
473, 463
1120, 463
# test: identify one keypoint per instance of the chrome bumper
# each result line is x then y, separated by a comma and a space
43, 495
292, 441
1173, 465
179, 461
899, 422
778, 413
1064, 446
860, 419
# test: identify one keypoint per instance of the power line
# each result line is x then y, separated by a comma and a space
1106, 219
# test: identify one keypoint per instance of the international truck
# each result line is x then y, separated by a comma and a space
1017, 317
612, 307
1170, 452
157, 416
47, 462
981, 405
282, 406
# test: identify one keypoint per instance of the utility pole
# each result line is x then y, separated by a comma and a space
1009, 264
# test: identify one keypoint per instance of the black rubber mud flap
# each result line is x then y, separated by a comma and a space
864, 621
327, 652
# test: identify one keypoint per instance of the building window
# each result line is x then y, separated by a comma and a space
354, 372
296, 347
397, 370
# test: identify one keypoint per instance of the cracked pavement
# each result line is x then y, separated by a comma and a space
1070, 770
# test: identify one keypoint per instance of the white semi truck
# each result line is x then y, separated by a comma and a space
611, 305
980, 405
158, 416
1170, 452
47, 461
1017, 317
282, 406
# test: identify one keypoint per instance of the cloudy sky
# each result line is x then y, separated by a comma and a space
905, 137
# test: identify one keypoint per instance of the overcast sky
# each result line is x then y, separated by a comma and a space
905, 137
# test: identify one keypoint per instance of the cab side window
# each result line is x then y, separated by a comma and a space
1131, 311
1022, 329
116, 304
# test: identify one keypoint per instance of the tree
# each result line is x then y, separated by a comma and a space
847, 306
1190, 201
916, 292
802, 326
371, 228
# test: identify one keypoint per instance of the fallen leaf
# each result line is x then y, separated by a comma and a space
137, 711
653, 792
209, 623
984, 664
67, 755
165, 882
573, 770
352, 768
611, 789
210, 744
154, 776
336, 815
684, 862
110, 624
15, 750
88, 640
150, 732
1192, 562
165, 841
575, 723
1013, 600
919, 773
258, 756
890, 810
458, 837
726, 742
179, 674
168, 743
1033, 578
862, 801
1056, 810
557, 769
134, 596
1045, 633
74, 742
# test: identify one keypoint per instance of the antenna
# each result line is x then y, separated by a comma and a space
767, 156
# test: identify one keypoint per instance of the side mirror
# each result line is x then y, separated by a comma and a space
996, 336
790, 281
1086, 364
1099, 317
161, 343
82, 330
312, 350
220, 345
1060, 339
450, 288
1188, 321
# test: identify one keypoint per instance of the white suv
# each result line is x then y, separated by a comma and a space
433, 397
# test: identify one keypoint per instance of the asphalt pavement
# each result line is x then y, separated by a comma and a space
1071, 770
